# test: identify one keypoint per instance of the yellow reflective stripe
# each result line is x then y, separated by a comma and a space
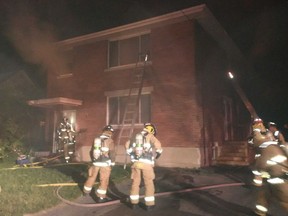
147, 161
265, 144
257, 181
149, 199
106, 149
261, 208
255, 172
102, 164
159, 151
279, 158
99, 191
134, 197
129, 150
87, 188
275, 181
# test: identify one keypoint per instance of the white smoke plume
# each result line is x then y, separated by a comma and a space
34, 39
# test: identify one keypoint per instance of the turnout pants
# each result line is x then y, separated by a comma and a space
267, 191
146, 171
104, 175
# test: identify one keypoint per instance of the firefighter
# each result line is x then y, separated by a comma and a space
271, 166
103, 156
141, 151
66, 139
276, 133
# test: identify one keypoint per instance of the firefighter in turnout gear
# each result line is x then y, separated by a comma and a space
276, 133
103, 156
141, 151
278, 136
270, 170
66, 139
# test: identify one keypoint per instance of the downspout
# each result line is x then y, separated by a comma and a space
203, 126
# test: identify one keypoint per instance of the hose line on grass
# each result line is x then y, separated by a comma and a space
113, 202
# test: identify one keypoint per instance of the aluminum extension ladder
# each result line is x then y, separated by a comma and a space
132, 105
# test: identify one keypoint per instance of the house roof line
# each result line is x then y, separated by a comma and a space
211, 25
146, 24
201, 13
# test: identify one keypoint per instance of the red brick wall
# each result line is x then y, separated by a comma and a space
175, 103
176, 111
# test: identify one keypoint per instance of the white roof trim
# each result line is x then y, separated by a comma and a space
143, 25
52, 102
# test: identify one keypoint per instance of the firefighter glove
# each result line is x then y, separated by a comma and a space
158, 154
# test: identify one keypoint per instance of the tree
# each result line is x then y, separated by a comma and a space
17, 118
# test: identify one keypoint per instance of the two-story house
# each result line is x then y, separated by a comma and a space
186, 93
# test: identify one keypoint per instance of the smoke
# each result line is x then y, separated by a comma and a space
34, 39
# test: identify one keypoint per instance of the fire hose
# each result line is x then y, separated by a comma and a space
118, 201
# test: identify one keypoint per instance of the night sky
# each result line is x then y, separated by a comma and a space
259, 28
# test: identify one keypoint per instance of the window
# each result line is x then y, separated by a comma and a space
116, 106
128, 51
68, 57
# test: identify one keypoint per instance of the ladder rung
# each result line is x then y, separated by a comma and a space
123, 137
129, 117
131, 104
130, 111
128, 121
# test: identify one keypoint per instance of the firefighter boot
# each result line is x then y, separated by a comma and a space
149, 208
133, 206
101, 200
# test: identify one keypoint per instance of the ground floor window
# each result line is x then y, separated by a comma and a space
116, 109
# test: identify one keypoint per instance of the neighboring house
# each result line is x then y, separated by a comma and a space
186, 93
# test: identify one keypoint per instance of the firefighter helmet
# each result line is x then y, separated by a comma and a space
272, 124
257, 121
107, 131
150, 128
108, 128
258, 124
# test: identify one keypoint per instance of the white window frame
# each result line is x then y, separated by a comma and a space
123, 93
124, 38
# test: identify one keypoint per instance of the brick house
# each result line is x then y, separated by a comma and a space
185, 94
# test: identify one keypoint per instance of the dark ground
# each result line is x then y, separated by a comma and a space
224, 200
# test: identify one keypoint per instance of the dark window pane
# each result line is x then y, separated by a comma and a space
129, 50
145, 46
123, 101
117, 106
145, 108
113, 110
113, 54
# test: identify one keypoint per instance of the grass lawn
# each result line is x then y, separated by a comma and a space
25, 189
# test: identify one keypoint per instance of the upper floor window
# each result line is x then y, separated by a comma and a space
129, 50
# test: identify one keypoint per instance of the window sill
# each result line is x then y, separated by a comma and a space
137, 126
63, 76
128, 66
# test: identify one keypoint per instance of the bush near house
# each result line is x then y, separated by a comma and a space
20, 191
